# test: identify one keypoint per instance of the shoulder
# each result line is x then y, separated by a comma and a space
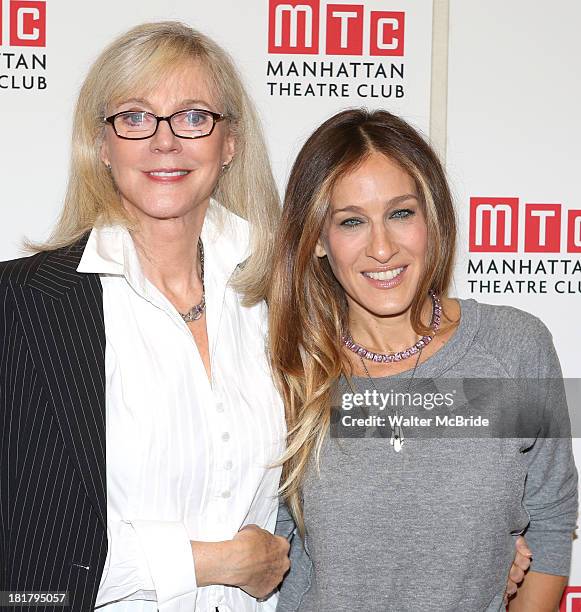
17, 272
518, 339
57, 263
508, 324
14, 274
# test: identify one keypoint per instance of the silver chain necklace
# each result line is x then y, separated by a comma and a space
397, 438
195, 312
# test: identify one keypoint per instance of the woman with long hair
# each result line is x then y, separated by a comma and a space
138, 416
359, 304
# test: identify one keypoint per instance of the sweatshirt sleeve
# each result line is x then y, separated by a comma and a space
298, 579
550, 495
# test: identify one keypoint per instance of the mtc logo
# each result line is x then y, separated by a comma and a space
26, 22
294, 27
571, 601
494, 227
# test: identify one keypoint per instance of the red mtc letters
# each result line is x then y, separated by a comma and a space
571, 601
494, 227
27, 19
294, 28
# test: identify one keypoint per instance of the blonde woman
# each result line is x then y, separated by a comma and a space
359, 303
137, 410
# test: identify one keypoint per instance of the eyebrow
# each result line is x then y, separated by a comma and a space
190, 102
392, 202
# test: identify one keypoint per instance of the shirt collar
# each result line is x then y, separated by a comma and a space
110, 249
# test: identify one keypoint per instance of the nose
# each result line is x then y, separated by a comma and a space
164, 140
381, 245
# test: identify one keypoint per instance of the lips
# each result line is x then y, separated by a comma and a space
385, 279
384, 275
167, 175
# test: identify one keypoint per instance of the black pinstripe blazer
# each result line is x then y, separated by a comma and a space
53, 501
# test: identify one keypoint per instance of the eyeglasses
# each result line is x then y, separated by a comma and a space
138, 125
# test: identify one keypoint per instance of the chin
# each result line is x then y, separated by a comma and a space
389, 312
384, 308
159, 210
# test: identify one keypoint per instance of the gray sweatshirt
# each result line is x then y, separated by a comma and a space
433, 527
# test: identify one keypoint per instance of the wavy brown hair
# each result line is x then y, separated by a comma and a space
307, 306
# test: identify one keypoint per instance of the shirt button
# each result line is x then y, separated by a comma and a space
219, 406
225, 436
228, 465
225, 494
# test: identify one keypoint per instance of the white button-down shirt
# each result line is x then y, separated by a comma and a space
186, 459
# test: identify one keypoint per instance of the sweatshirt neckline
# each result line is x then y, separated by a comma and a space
452, 352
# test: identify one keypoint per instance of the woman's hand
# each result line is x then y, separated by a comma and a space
521, 563
254, 560
259, 560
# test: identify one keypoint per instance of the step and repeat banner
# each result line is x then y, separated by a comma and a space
302, 62
514, 80
511, 72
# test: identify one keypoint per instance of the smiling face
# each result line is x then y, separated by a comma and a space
165, 177
375, 237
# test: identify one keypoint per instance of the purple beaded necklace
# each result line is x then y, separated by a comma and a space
412, 350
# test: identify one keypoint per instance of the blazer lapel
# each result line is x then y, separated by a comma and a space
62, 316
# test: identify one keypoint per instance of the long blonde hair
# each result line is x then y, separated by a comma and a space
138, 61
307, 306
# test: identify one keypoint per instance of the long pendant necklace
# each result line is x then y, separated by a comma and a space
196, 311
397, 438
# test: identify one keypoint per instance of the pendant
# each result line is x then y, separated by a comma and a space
397, 439
196, 311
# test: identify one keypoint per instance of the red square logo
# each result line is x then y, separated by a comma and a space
574, 231
494, 225
543, 228
387, 34
293, 26
345, 29
27, 23
571, 601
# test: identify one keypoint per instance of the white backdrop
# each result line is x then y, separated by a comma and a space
513, 124
513, 132
34, 164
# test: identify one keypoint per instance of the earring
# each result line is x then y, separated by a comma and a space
225, 166
108, 166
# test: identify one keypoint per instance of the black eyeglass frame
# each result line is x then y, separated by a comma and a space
216, 117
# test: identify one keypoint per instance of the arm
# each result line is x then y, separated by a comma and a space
5, 324
13, 407
539, 593
254, 560
159, 556
159, 553
298, 580
550, 495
